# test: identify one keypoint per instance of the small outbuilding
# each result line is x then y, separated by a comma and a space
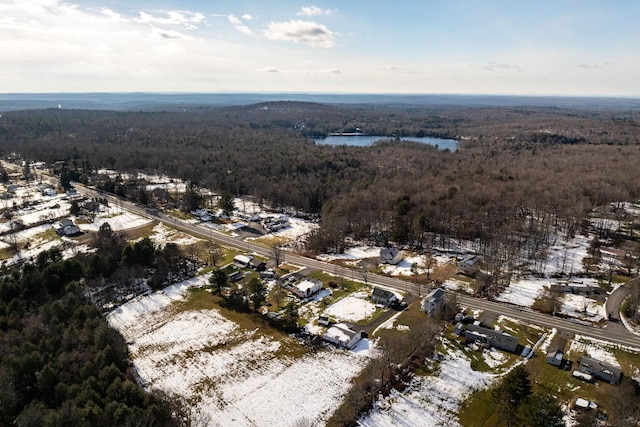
554, 357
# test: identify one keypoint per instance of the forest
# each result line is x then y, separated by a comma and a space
60, 362
518, 173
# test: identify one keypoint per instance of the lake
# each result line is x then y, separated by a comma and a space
366, 140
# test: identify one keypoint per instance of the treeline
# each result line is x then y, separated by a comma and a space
60, 362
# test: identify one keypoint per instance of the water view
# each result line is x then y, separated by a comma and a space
366, 140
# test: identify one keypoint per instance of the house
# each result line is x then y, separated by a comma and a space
432, 301
488, 337
468, 265
600, 370
384, 297
554, 357
202, 214
390, 256
306, 288
275, 224
343, 336
72, 193
242, 261
576, 289
66, 227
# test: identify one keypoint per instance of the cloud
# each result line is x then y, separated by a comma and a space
493, 66
397, 69
110, 13
594, 66
303, 71
173, 17
314, 11
170, 34
247, 17
239, 25
305, 32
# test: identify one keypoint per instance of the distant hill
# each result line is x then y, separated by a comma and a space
183, 101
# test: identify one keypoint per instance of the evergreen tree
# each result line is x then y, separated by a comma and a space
219, 281
540, 411
511, 393
226, 204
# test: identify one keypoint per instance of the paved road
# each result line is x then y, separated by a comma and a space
609, 333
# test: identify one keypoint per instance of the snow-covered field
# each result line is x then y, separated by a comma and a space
230, 375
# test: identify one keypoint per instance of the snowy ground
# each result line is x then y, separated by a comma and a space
352, 308
117, 218
434, 400
230, 375
161, 235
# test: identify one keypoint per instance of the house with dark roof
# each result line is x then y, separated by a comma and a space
601, 370
384, 297
390, 256
487, 337
432, 301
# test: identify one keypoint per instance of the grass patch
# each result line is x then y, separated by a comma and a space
271, 240
478, 410
345, 286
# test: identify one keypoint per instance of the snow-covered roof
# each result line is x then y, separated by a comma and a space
307, 285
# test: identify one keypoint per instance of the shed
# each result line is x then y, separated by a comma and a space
554, 357
342, 336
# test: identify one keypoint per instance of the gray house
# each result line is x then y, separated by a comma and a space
384, 297
600, 370
554, 357
390, 256
487, 337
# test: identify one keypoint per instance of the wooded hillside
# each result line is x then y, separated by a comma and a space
550, 164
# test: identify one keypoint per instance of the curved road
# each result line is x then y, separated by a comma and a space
613, 332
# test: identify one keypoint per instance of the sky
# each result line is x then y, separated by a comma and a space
510, 47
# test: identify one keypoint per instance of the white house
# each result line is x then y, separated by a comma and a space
390, 256
432, 301
242, 261
306, 288
342, 336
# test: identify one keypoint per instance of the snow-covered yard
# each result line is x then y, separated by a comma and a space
352, 308
434, 400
